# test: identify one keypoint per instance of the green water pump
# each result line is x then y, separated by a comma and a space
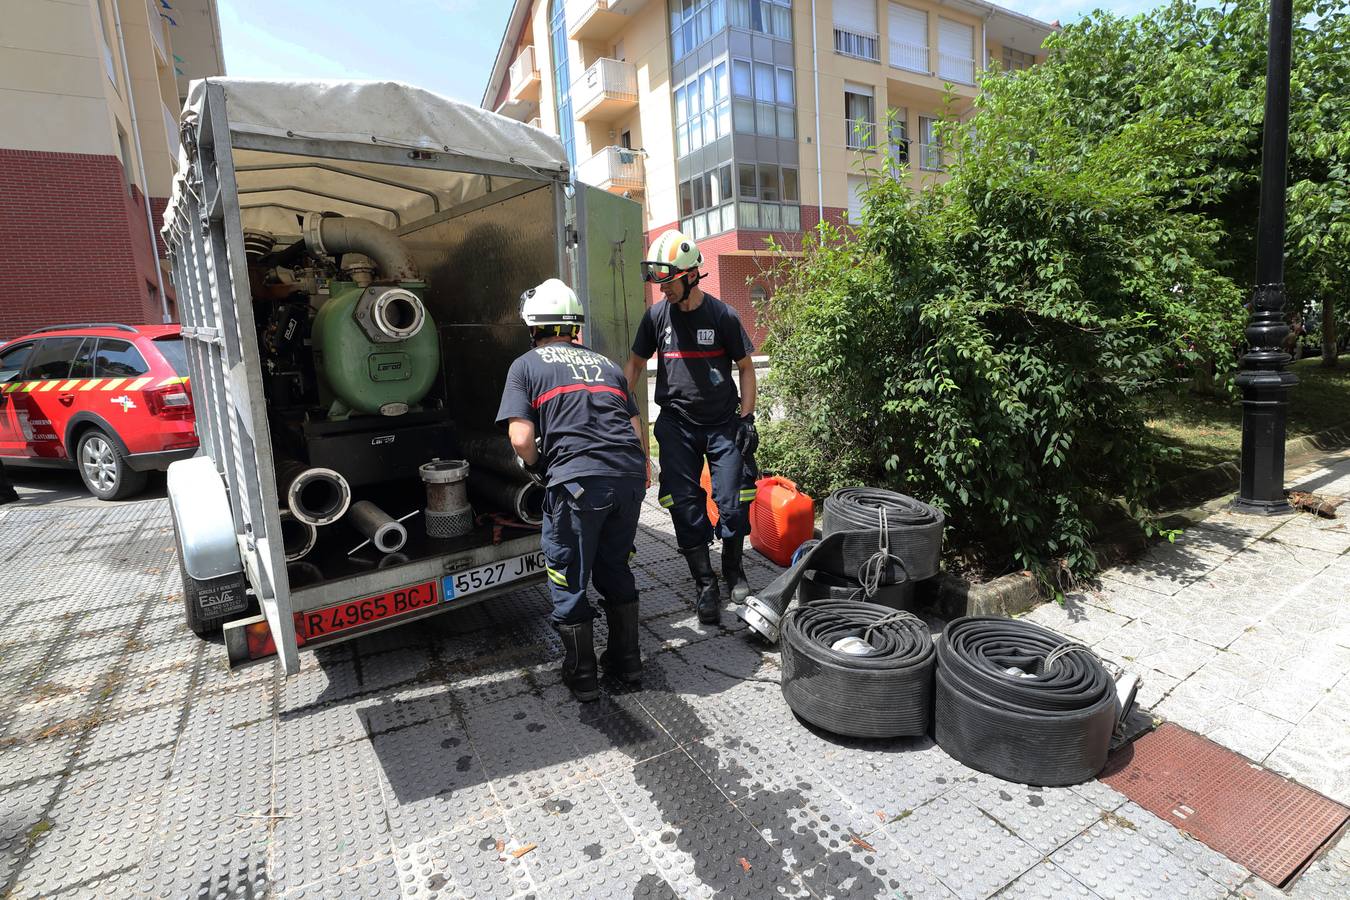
375, 349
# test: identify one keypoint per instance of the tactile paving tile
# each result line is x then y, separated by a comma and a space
525, 750
431, 780
795, 827
36, 759
1046, 881
471, 862
21, 821
145, 690
1099, 795
40, 719
969, 852
211, 840
217, 731
668, 789
413, 705
135, 733
625, 874
1187, 849
1117, 863
618, 740
1046, 818
720, 855
479, 688
394, 667
301, 732
334, 819
569, 829
872, 867
373, 881
98, 823
329, 683
740, 768
1256, 818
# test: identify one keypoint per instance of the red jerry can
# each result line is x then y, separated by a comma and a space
782, 518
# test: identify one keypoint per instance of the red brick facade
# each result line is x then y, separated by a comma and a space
729, 274
74, 245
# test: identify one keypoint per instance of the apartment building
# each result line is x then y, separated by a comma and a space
740, 120
90, 92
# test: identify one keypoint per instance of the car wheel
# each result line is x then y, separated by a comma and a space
104, 468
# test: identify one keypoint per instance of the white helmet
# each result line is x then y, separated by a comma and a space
551, 303
671, 255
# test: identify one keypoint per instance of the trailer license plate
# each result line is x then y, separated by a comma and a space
471, 581
345, 616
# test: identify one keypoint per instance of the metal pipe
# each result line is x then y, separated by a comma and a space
378, 526
493, 453
524, 501
316, 495
297, 538
334, 236
815, 71
140, 163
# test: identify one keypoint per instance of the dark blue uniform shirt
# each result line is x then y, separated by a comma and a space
579, 403
697, 349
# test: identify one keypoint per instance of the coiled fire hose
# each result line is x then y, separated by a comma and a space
858, 669
1022, 703
872, 536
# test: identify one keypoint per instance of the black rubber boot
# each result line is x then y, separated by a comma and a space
733, 549
705, 582
578, 669
622, 659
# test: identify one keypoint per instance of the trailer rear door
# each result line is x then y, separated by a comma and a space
608, 253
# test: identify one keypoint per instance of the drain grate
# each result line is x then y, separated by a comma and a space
1256, 818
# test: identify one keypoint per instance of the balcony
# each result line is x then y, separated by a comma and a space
932, 158
857, 44
616, 169
910, 57
156, 24
524, 77
862, 135
605, 91
958, 69
600, 20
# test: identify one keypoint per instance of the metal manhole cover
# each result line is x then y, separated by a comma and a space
1266, 823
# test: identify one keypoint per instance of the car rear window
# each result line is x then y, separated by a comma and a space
118, 358
174, 354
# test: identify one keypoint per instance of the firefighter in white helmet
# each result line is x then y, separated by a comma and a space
698, 340
575, 429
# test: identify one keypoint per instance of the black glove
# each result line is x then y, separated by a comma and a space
538, 469
747, 438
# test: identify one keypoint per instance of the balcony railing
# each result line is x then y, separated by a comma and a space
861, 135
857, 44
614, 169
525, 76
536, 122
909, 56
931, 158
607, 88
156, 23
960, 69
599, 20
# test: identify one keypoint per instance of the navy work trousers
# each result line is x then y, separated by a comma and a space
683, 447
590, 524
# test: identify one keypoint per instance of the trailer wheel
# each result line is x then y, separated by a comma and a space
209, 603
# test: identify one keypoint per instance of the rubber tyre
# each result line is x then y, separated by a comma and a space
104, 469
198, 621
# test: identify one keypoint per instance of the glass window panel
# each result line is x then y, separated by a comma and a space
764, 119
709, 126
686, 199
708, 88
711, 187
719, 15
723, 119
118, 358
764, 82
787, 122
724, 179
769, 217
700, 193
790, 186
749, 186
743, 116
721, 78
792, 218
749, 215
768, 183
786, 89
729, 217
52, 358
741, 84
681, 107
682, 140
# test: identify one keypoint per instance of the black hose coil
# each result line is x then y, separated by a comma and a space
1048, 722
887, 693
816, 585
914, 528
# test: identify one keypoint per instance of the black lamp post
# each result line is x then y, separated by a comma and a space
1264, 380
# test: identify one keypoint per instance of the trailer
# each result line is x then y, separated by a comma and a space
347, 259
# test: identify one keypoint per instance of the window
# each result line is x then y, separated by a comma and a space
773, 90
705, 200
626, 140
694, 21
1014, 60
859, 117
562, 81
791, 192
855, 28
118, 359
956, 51
703, 108
930, 145
174, 353
909, 38
124, 150
109, 62
749, 186
856, 185
773, 17
768, 196
758, 296
12, 362
53, 357
899, 139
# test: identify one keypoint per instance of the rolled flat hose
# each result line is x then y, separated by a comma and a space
885, 693
816, 586
1022, 703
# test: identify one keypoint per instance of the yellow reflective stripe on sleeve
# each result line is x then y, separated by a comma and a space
667, 501
749, 494
139, 383
113, 383
70, 384
555, 576
89, 385
47, 386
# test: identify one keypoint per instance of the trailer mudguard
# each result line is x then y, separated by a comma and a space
201, 510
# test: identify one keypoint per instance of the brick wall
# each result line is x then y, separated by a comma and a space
73, 243
728, 277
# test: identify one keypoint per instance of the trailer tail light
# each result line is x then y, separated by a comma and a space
171, 402
259, 638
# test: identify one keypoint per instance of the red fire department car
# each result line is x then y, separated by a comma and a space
106, 399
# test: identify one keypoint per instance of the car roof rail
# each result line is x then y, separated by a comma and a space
71, 326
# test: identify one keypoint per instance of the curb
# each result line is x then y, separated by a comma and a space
1018, 592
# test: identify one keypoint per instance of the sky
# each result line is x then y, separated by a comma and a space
447, 46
